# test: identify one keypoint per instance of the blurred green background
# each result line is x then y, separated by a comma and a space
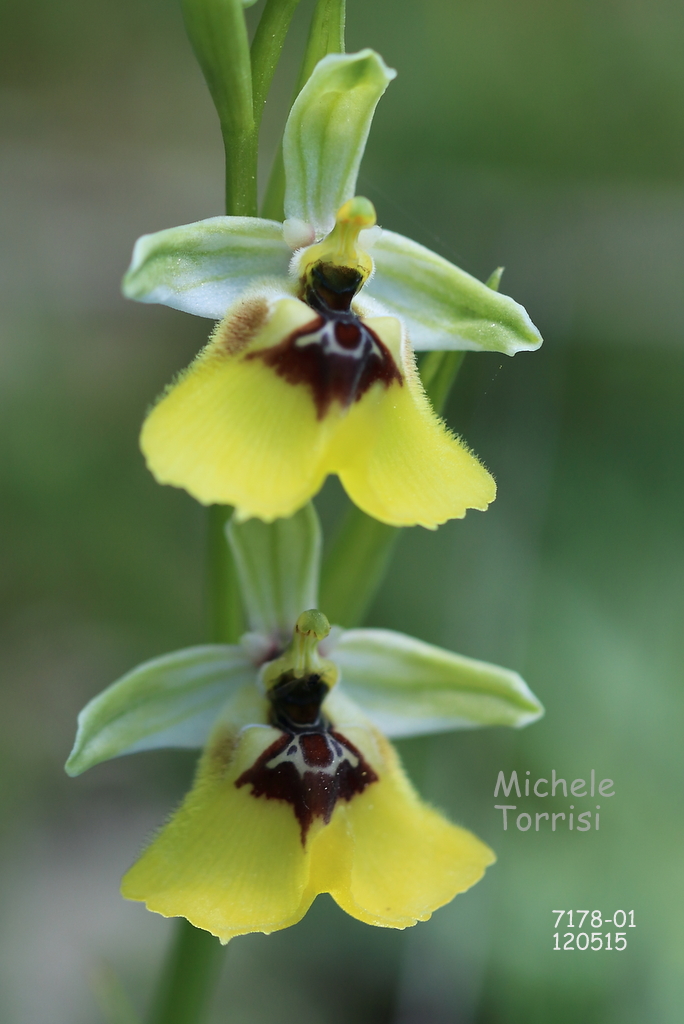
546, 135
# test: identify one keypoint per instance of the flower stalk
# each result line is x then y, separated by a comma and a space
189, 976
218, 34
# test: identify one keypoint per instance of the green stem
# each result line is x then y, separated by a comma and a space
362, 550
218, 34
241, 172
189, 977
326, 35
266, 49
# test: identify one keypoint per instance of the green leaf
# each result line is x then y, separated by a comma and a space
409, 688
442, 306
326, 134
278, 565
203, 267
170, 701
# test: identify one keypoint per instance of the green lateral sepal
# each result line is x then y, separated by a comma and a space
203, 267
410, 688
442, 306
171, 701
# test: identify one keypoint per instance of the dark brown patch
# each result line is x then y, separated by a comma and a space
223, 750
246, 319
336, 355
313, 771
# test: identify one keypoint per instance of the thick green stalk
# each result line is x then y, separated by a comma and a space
266, 49
326, 35
189, 977
218, 34
362, 550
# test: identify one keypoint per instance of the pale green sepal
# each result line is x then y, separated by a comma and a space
170, 701
442, 306
278, 565
326, 135
202, 268
410, 688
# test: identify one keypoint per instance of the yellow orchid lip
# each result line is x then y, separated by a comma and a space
276, 817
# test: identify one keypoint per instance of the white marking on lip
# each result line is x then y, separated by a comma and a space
325, 337
339, 753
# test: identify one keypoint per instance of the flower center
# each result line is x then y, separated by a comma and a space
310, 766
337, 356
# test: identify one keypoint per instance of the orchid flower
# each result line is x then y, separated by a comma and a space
298, 791
311, 368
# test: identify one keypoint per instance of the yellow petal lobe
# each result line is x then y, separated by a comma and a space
407, 859
227, 862
231, 431
396, 459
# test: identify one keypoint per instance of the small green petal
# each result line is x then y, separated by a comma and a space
202, 268
278, 565
410, 688
326, 134
442, 306
170, 701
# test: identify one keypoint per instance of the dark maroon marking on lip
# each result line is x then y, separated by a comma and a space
336, 355
347, 335
315, 765
310, 784
316, 749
